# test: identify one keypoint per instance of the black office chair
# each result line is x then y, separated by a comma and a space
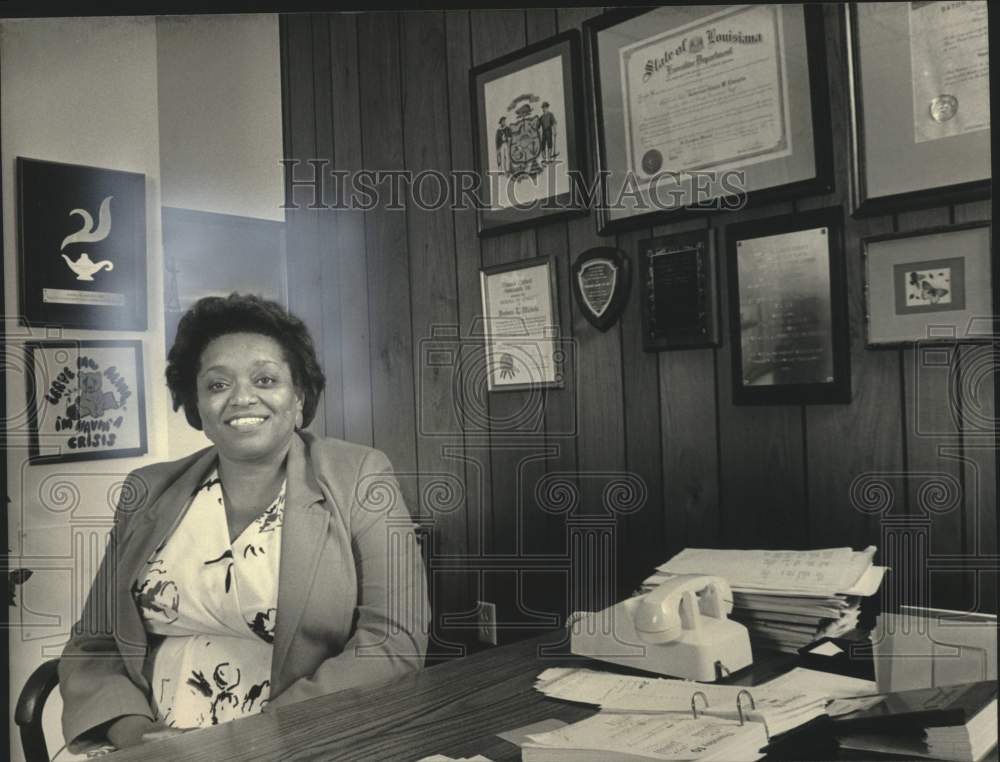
28, 714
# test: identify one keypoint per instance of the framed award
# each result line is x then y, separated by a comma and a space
929, 286
520, 326
81, 246
85, 400
787, 309
921, 106
680, 301
701, 108
527, 116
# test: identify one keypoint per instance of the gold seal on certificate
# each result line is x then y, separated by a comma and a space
943, 108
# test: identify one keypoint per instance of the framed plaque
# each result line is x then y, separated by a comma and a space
85, 400
81, 245
921, 107
601, 280
680, 303
521, 329
527, 116
705, 107
787, 308
929, 286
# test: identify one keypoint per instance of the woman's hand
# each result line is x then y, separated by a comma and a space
160, 732
128, 730
134, 729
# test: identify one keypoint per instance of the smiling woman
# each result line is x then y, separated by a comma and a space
212, 563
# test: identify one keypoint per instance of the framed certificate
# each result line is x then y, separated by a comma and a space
527, 116
85, 400
520, 325
921, 104
929, 286
701, 108
81, 245
787, 309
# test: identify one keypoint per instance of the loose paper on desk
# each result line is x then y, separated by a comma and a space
517, 736
779, 709
644, 736
832, 570
827, 683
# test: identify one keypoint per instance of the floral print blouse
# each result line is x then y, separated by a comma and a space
214, 602
209, 607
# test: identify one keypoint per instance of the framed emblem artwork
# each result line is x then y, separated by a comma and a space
81, 246
527, 116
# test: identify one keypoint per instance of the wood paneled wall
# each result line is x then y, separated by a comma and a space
567, 498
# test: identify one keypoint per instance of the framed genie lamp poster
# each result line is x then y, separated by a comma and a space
81, 235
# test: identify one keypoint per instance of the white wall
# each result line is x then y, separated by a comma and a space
220, 115
80, 92
219, 90
200, 98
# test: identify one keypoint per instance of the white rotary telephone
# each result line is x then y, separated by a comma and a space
678, 629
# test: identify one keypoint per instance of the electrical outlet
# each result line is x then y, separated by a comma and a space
487, 622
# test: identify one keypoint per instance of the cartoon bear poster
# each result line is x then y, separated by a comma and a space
85, 400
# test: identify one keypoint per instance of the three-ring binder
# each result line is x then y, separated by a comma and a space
739, 707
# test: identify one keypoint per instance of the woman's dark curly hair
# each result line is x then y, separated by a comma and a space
216, 316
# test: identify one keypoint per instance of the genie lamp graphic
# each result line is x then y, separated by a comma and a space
83, 266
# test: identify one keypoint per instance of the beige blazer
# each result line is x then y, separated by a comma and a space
352, 598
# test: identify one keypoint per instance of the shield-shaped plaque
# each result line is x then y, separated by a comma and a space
601, 279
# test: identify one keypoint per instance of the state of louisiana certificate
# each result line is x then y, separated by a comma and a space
709, 95
950, 57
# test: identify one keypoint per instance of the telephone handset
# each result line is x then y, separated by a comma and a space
681, 629
662, 615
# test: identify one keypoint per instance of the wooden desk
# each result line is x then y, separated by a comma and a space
456, 708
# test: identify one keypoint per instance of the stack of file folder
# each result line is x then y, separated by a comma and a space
786, 598
957, 722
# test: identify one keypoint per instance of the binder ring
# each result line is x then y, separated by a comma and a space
739, 702
753, 705
694, 708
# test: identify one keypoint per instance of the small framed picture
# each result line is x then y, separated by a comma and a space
85, 400
788, 312
521, 328
81, 235
529, 135
680, 299
930, 285
921, 107
701, 108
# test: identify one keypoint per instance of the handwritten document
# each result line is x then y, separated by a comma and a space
823, 572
